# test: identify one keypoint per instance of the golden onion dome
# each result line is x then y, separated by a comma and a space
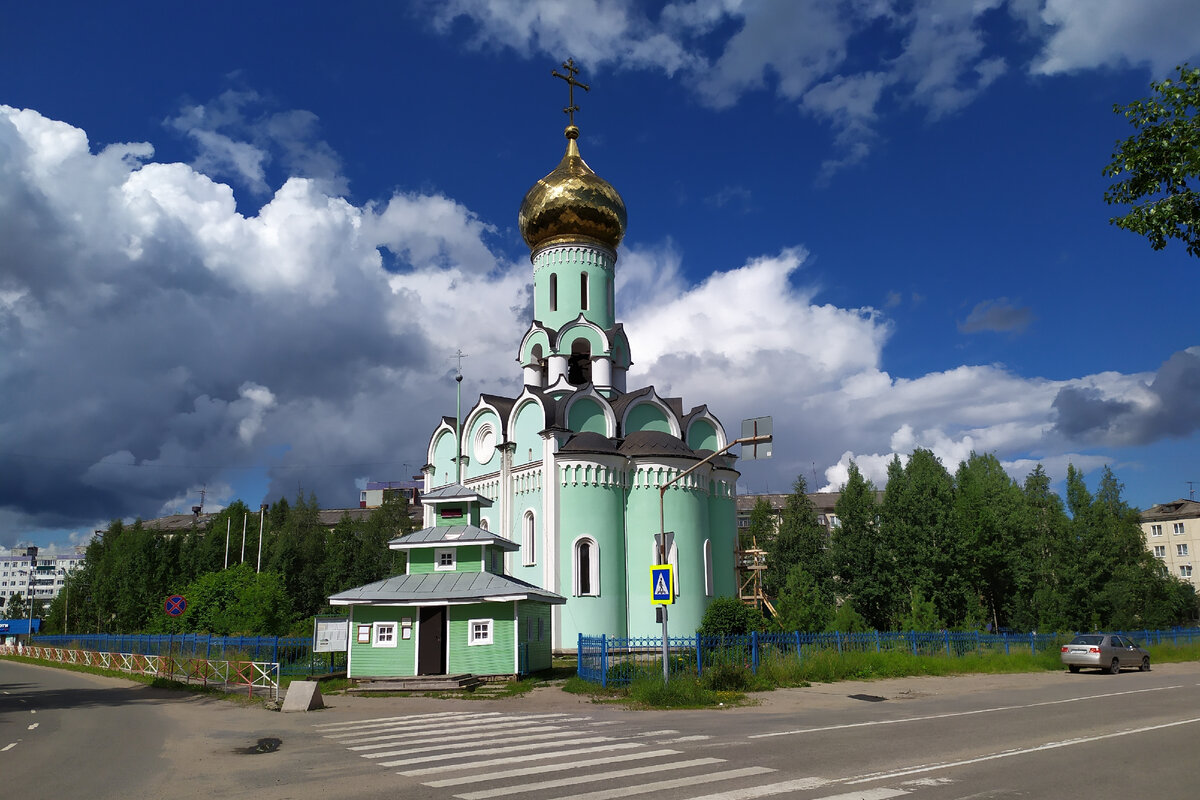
572, 202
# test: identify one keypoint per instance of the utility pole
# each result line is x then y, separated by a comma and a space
262, 513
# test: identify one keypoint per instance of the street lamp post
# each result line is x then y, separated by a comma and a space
32, 552
755, 432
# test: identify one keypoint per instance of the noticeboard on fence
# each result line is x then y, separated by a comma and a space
331, 634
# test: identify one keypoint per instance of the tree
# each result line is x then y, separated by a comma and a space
864, 568
728, 616
987, 505
16, 608
1158, 168
803, 604
799, 540
915, 524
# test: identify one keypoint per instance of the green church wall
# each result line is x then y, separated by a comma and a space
367, 660
565, 266
596, 343
596, 512
529, 500
587, 415
530, 421
536, 338
443, 459
646, 417
474, 467
722, 517
703, 436
497, 658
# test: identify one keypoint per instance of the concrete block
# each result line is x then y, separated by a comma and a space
303, 696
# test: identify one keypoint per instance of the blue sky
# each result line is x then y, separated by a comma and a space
242, 240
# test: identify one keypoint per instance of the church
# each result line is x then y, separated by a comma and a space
569, 469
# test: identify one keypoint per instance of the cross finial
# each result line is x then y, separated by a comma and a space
572, 71
460, 355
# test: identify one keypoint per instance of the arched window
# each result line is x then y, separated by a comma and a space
583, 291
540, 359
483, 524
579, 365
528, 540
586, 569
708, 573
611, 302
554, 291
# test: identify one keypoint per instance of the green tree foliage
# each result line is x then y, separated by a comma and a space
232, 601
1157, 169
729, 616
1043, 568
16, 608
803, 604
864, 567
987, 505
800, 539
847, 620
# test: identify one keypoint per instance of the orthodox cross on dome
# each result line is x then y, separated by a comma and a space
460, 355
572, 71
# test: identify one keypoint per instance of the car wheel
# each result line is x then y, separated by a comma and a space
1145, 664
1115, 667
1073, 667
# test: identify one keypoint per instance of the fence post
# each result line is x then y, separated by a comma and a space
978, 645
1033, 644
1005, 643
912, 640
275, 652
699, 660
604, 660
838, 637
798, 658
877, 648
946, 635
754, 652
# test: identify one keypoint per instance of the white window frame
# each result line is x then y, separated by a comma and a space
529, 538
1177, 528
1160, 551
438, 566
1156, 530
383, 634
708, 568
1181, 549
593, 567
1185, 570
488, 628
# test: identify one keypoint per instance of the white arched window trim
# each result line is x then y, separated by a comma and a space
528, 539
708, 572
593, 567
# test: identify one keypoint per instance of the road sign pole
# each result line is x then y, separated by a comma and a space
666, 648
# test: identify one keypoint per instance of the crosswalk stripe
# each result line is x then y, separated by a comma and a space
675, 783
475, 740
474, 734
522, 759
432, 726
768, 789
463, 730
574, 780
494, 750
882, 793
414, 718
542, 768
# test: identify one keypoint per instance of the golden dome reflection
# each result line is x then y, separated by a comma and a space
572, 202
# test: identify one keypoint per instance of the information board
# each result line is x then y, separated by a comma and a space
331, 634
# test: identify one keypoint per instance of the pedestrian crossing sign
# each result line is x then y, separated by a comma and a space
662, 585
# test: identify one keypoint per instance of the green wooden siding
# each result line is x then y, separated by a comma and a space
528, 615
467, 559
366, 660
497, 658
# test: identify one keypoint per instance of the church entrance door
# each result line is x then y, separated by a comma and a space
431, 649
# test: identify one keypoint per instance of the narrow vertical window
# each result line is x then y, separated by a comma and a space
554, 291
586, 575
528, 540
708, 572
583, 291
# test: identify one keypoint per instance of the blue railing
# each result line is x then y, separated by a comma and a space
293, 653
614, 661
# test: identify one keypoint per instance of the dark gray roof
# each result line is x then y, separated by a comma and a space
451, 536
451, 587
454, 492
1178, 509
588, 442
655, 443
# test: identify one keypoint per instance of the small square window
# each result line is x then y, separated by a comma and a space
1181, 549
385, 634
364, 634
1160, 551
1177, 528
443, 560
1185, 570
1156, 530
480, 631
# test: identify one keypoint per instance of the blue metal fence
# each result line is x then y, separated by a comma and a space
293, 653
614, 661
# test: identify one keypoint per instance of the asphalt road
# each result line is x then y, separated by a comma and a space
1043, 735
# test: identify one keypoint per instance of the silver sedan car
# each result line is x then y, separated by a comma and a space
1104, 651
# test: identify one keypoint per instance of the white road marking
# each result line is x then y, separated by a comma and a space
413, 718
768, 789
31, 727
474, 741
675, 783
432, 726
33, 711
685, 739
575, 780
8, 746
493, 750
541, 769
956, 713
1020, 752
882, 793
465, 730
522, 759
